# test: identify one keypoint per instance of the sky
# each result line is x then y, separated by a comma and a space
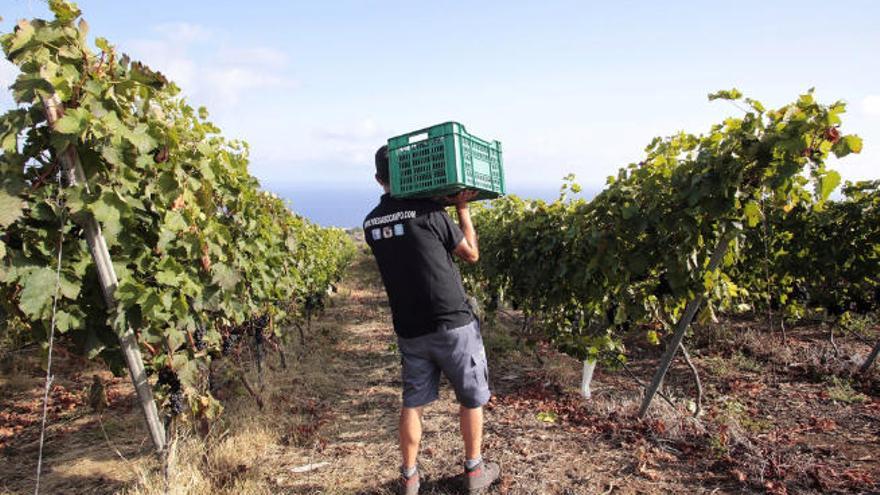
566, 86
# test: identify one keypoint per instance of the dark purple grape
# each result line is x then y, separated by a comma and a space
199, 338
168, 377
261, 322
229, 343
176, 402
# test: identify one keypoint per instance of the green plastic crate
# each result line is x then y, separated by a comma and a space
442, 160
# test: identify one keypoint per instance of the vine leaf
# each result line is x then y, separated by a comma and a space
38, 287
141, 140
224, 276
828, 183
24, 33
66, 321
108, 211
11, 208
753, 213
65, 11
72, 123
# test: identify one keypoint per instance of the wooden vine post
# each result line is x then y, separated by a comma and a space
871, 358
690, 310
73, 171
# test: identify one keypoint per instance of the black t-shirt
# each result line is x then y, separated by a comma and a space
413, 241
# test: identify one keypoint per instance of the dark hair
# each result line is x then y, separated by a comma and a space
382, 165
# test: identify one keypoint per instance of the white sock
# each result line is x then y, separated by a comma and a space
472, 463
408, 472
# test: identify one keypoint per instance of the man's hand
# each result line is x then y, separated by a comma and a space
467, 249
462, 199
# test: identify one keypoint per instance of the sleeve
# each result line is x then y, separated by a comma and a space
367, 234
449, 233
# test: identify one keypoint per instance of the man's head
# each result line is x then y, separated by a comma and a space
382, 174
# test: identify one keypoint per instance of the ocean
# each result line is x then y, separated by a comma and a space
347, 207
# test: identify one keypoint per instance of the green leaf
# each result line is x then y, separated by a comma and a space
103, 44
853, 142
38, 289
70, 288
24, 33
9, 143
707, 315
29, 87
224, 276
828, 183
141, 139
168, 277
753, 213
727, 94
11, 208
66, 321
174, 222
547, 417
70, 123
112, 155
108, 210
64, 10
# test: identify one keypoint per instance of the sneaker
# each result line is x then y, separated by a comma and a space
481, 476
409, 486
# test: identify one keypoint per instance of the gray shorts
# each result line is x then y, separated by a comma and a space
458, 353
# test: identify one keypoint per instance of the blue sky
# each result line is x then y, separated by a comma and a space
315, 87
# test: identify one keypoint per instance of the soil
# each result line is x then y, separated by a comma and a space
777, 417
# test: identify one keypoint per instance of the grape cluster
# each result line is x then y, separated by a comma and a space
199, 338
168, 377
261, 322
229, 343
176, 403
176, 399
314, 302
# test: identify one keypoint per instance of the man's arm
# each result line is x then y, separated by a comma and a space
467, 249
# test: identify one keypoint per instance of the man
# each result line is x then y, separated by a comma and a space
413, 242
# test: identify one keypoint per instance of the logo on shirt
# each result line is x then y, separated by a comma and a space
387, 232
377, 234
398, 229
393, 217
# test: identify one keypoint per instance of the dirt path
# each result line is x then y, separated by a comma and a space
359, 438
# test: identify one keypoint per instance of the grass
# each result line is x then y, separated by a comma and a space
737, 362
735, 413
241, 451
841, 390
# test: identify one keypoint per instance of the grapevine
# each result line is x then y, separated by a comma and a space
198, 247
639, 252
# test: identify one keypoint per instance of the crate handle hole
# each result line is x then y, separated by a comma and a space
418, 137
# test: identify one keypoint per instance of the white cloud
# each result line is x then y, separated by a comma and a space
871, 105
8, 73
227, 84
183, 32
198, 60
